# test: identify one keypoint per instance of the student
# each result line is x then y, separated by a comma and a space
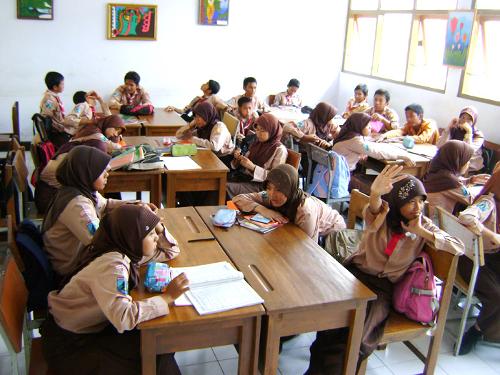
420, 129
359, 102
318, 129
265, 153
210, 90
247, 117
250, 87
207, 131
284, 201
483, 217
351, 143
464, 129
289, 98
85, 107
394, 235
74, 213
381, 111
130, 93
91, 328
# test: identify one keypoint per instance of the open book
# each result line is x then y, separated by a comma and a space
216, 287
126, 157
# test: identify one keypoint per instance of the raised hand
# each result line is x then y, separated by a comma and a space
383, 184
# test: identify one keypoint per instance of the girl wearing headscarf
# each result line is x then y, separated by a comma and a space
91, 326
207, 131
483, 217
75, 211
283, 200
464, 129
395, 232
351, 143
265, 153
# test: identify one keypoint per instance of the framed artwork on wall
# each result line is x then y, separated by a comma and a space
458, 35
214, 12
35, 9
132, 21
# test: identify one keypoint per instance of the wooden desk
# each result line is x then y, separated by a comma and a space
183, 328
287, 115
303, 287
133, 129
162, 123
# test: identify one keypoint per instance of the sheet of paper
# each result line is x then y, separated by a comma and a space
179, 163
183, 301
208, 274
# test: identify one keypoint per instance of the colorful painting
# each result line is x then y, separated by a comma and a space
35, 9
132, 21
214, 12
458, 34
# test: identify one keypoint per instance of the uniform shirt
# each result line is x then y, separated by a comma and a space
120, 97
220, 140
260, 173
353, 107
476, 140
448, 199
427, 132
99, 295
217, 102
314, 217
257, 104
389, 114
283, 99
305, 127
52, 107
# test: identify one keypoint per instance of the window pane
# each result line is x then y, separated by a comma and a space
361, 40
364, 4
487, 4
426, 63
392, 48
396, 4
436, 4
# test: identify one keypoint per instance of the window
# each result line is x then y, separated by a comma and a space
436, 4
361, 40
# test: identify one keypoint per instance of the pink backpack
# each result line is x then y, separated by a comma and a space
416, 295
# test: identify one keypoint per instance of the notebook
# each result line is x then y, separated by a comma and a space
216, 287
179, 163
248, 222
127, 157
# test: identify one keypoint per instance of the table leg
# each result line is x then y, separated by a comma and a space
170, 191
155, 197
355, 335
222, 190
272, 346
249, 347
148, 353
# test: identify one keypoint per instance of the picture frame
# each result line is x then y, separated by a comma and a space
458, 37
42, 10
131, 21
213, 12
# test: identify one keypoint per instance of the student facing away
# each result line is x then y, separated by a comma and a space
130, 93
359, 102
383, 256
91, 328
210, 90
283, 200
289, 98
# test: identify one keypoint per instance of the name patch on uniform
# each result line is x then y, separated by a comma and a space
49, 105
122, 285
92, 227
483, 206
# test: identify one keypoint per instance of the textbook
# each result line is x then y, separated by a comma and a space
249, 222
128, 156
216, 287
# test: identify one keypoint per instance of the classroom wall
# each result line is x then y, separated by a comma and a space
271, 40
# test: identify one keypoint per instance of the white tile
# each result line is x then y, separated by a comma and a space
374, 362
395, 353
301, 341
422, 343
193, 357
469, 363
294, 362
3, 347
225, 352
210, 368
379, 371
412, 367
229, 366
490, 355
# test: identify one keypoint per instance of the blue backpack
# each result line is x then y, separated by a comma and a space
37, 274
340, 175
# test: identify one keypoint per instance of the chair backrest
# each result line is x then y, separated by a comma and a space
15, 120
42, 125
472, 242
293, 158
358, 202
270, 99
231, 123
11, 243
13, 298
317, 155
20, 171
34, 150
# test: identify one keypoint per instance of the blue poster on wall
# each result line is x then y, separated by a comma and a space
458, 35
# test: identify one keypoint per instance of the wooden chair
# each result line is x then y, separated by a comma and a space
356, 206
231, 124
16, 130
293, 158
474, 251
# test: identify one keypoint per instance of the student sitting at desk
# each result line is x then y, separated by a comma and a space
249, 171
420, 129
359, 102
289, 98
483, 217
444, 183
210, 90
207, 131
284, 201
394, 235
130, 93
351, 143
250, 87
92, 324
464, 129
85, 107
245, 132
380, 112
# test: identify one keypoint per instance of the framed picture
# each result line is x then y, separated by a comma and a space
35, 9
132, 21
458, 35
214, 12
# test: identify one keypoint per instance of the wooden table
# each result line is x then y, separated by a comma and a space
183, 328
303, 287
134, 128
288, 114
162, 123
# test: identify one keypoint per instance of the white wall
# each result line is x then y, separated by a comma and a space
273, 40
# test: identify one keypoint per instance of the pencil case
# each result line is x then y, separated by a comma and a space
184, 150
224, 218
158, 276
408, 142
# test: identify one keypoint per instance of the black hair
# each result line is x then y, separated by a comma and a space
417, 108
294, 82
133, 76
79, 97
362, 87
213, 86
248, 80
384, 93
244, 100
53, 79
